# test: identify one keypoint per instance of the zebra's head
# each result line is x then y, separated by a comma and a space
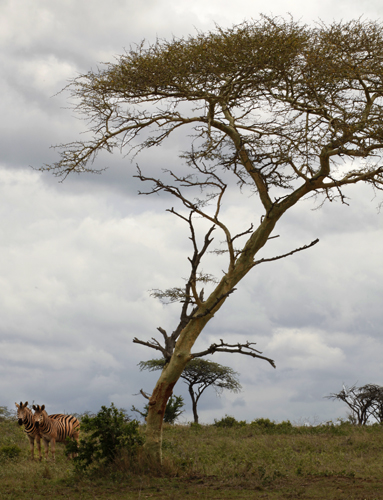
22, 412
39, 414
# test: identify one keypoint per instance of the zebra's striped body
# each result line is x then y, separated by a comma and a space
53, 430
26, 418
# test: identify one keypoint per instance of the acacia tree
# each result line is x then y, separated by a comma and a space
199, 374
377, 407
283, 110
364, 402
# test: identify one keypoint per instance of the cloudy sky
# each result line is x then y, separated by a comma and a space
77, 259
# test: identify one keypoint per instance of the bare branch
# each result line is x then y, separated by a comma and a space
245, 348
153, 345
286, 254
248, 231
215, 304
146, 396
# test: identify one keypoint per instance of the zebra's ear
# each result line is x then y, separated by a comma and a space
42, 407
26, 404
34, 407
17, 406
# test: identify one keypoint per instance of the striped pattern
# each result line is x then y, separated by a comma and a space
55, 430
26, 418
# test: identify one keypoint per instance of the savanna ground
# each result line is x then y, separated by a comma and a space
208, 462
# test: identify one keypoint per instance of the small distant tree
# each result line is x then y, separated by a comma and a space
172, 411
6, 414
377, 407
199, 374
364, 402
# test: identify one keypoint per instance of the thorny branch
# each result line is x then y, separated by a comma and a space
245, 348
286, 254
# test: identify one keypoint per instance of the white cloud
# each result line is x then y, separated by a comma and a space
304, 350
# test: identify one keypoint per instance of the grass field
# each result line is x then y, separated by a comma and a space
208, 462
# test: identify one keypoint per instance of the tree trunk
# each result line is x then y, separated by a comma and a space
194, 404
182, 351
164, 387
154, 420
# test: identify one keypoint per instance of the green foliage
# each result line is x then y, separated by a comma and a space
264, 422
172, 411
107, 435
195, 426
228, 421
199, 374
9, 452
269, 426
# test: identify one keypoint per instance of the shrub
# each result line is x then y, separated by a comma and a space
172, 410
9, 452
196, 426
228, 421
107, 436
265, 423
269, 426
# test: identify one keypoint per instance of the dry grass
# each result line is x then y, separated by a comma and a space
208, 462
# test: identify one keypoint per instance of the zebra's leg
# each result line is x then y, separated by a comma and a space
32, 446
38, 441
53, 448
46, 447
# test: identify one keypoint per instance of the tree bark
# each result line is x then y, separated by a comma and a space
205, 312
182, 351
194, 404
164, 387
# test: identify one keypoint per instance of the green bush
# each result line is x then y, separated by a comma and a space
196, 426
269, 426
107, 436
9, 452
228, 421
265, 423
172, 411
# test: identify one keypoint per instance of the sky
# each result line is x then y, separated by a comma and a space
78, 259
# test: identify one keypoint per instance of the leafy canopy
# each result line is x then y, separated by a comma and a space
273, 101
201, 372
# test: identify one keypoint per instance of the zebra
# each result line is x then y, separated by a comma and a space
55, 430
25, 417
